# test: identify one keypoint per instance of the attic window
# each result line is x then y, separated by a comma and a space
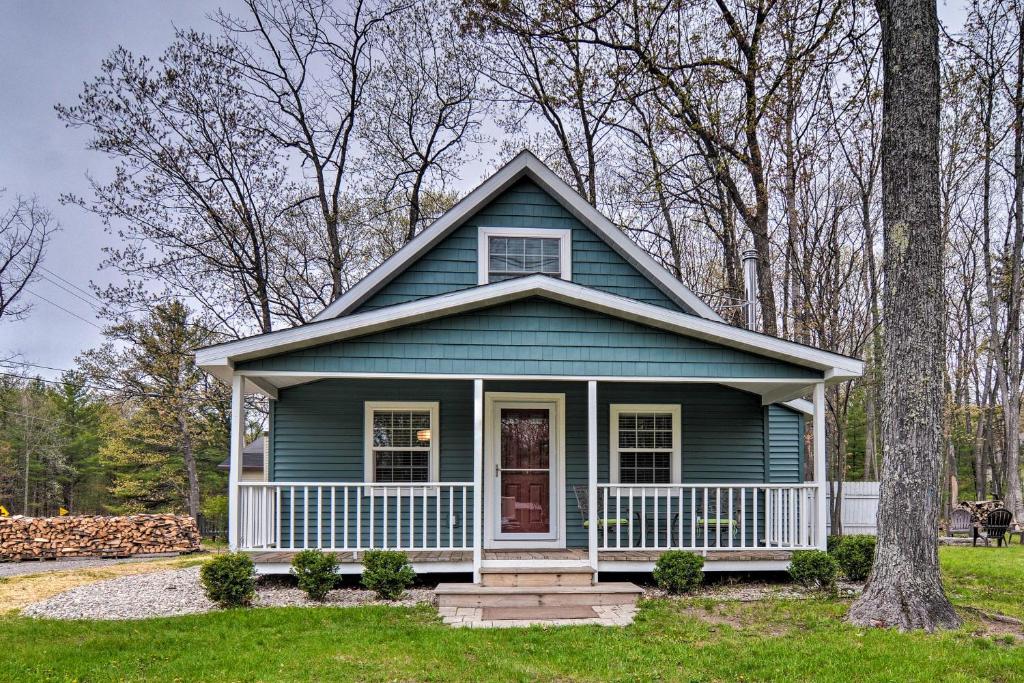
508, 253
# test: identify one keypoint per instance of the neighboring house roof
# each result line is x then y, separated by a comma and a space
220, 359
252, 456
525, 164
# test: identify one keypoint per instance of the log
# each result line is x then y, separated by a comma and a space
29, 538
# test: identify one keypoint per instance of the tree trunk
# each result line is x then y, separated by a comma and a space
1015, 294
905, 587
191, 472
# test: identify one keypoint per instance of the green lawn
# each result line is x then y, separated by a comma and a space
990, 578
674, 640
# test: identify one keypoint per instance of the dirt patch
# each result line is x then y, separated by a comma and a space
1004, 629
735, 616
757, 591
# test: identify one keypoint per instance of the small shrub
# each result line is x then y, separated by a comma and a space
229, 580
814, 569
678, 571
855, 555
833, 542
387, 572
315, 571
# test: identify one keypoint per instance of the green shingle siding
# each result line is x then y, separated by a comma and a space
451, 265
317, 433
532, 337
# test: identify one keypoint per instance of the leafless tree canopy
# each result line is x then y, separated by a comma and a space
25, 230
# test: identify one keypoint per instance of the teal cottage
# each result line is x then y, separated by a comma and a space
519, 389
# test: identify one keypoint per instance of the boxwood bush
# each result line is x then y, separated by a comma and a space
678, 571
855, 555
316, 572
387, 573
833, 542
229, 580
814, 569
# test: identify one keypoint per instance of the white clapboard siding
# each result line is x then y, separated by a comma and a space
860, 507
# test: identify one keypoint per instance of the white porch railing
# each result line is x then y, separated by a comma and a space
706, 516
357, 516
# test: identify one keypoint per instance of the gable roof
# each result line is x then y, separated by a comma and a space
525, 164
220, 360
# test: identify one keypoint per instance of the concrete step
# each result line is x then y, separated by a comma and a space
473, 595
538, 613
536, 576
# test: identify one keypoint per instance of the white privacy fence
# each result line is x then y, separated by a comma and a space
299, 515
706, 516
859, 507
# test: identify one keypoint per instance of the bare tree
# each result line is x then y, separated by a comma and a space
905, 588
424, 108
567, 86
196, 193
25, 230
306, 65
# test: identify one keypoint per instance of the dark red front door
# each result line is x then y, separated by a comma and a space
525, 470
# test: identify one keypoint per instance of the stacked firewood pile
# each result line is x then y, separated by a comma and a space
37, 538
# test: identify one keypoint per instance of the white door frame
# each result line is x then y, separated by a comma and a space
494, 400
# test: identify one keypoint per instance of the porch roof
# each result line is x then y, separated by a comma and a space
221, 360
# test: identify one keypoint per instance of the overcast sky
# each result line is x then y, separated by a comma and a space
48, 49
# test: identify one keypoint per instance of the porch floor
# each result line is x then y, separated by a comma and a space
569, 555
355, 557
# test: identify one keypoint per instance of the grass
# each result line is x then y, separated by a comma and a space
685, 640
991, 579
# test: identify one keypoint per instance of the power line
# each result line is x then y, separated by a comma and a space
72, 284
72, 293
11, 363
69, 312
51, 381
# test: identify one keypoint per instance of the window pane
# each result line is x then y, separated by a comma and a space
645, 430
402, 467
645, 468
401, 429
510, 257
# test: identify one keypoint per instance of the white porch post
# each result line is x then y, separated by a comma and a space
235, 464
478, 476
592, 472
821, 525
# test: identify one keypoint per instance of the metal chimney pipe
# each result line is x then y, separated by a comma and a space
750, 288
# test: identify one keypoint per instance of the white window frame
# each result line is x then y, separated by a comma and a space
369, 468
677, 436
484, 235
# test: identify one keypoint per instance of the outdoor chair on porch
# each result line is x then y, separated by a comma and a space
996, 524
718, 524
960, 522
583, 505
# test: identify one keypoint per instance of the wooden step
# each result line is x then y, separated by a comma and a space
473, 595
537, 613
537, 576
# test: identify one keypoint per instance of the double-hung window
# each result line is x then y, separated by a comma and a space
401, 442
645, 444
508, 253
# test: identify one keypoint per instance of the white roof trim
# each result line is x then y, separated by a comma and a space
800, 405
524, 164
834, 366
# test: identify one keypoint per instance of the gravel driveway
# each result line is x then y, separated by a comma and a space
176, 592
41, 567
